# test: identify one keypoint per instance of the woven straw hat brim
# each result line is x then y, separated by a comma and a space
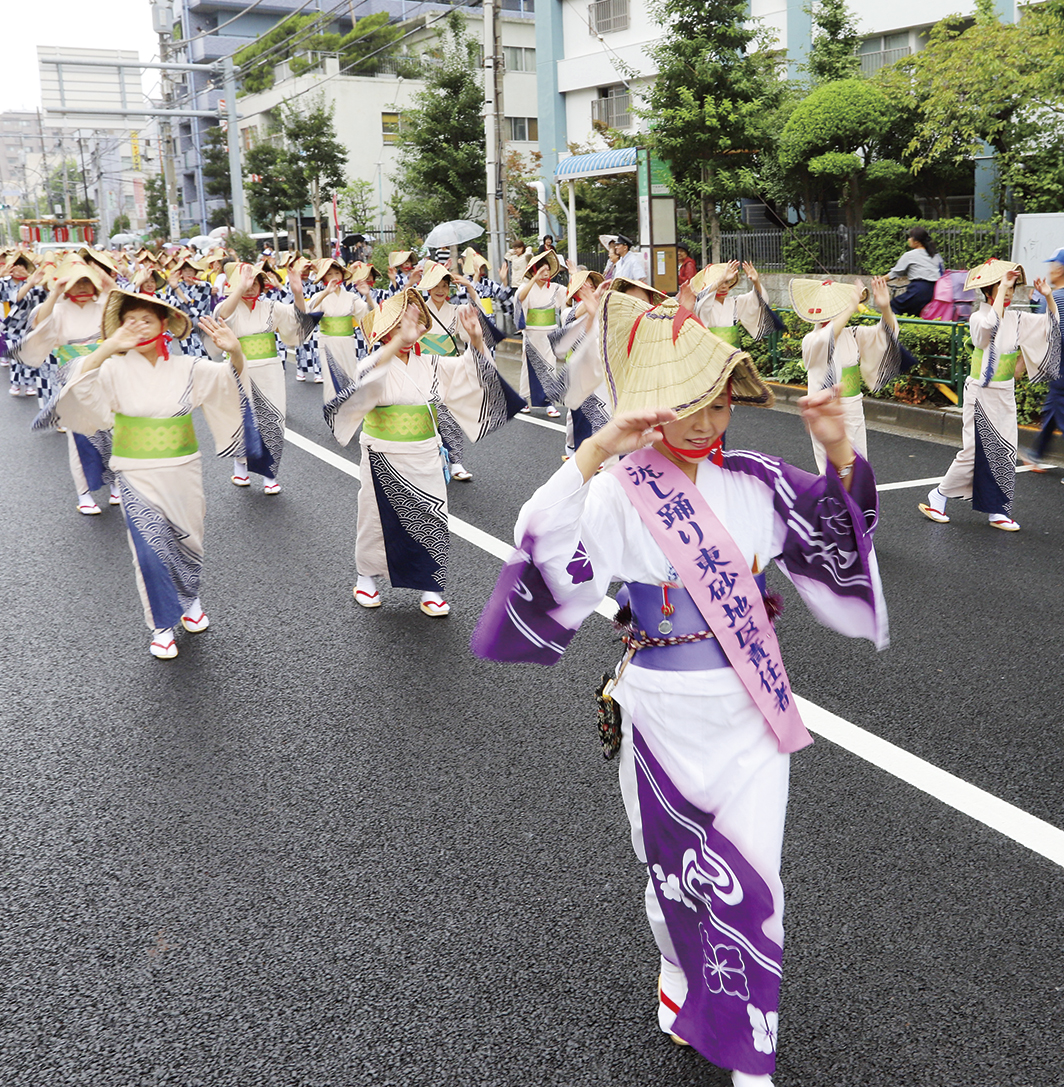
993, 271
322, 265
230, 270
619, 284
399, 256
432, 274
360, 271
74, 268
177, 322
99, 256
712, 273
385, 318
579, 279
818, 300
547, 256
648, 369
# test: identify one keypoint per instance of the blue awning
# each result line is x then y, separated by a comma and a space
618, 160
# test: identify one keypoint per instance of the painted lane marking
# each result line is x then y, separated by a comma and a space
903, 484
1033, 833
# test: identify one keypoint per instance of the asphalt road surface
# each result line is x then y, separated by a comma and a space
327, 847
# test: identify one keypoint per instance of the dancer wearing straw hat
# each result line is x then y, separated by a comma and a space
834, 354
1005, 343
336, 346
708, 718
190, 292
67, 326
722, 313
21, 291
402, 503
133, 384
258, 321
541, 302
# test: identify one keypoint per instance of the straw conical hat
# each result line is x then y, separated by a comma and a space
99, 256
150, 275
548, 256
712, 273
818, 300
384, 319
232, 270
578, 279
620, 284
471, 259
399, 256
74, 268
360, 271
663, 357
177, 323
322, 265
993, 271
433, 273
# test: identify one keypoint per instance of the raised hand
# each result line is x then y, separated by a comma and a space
751, 274
220, 333
469, 319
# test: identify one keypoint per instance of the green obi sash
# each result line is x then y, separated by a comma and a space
439, 343
262, 345
337, 326
1006, 366
401, 423
140, 438
728, 333
851, 380
541, 318
70, 351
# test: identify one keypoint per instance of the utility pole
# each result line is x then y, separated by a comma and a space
66, 180
493, 136
162, 22
236, 176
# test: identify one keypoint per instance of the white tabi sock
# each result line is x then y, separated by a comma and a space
366, 584
432, 598
744, 1079
240, 467
936, 500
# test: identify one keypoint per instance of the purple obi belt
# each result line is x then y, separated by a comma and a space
645, 602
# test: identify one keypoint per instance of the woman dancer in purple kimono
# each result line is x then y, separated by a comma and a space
709, 719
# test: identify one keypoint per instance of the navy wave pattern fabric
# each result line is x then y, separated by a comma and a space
171, 571
416, 540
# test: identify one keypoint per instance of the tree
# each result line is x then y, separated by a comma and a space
830, 141
120, 224
158, 208
604, 205
987, 83
712, 103
358, 204
833, 54
318, 156
57, 187
274, 185
522, 207
441, 163
217, 182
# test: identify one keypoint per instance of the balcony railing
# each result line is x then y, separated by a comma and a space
872, 62
607, 16
614, 111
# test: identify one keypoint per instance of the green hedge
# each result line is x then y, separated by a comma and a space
961, 243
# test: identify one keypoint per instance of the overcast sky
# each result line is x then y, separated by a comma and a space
83, 24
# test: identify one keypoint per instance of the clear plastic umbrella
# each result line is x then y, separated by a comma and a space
202, 241
454, 232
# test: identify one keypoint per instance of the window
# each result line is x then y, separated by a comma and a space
607, 16
612, 108
518, 59
390, 123
523, 129
878, 52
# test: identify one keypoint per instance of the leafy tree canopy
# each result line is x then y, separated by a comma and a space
441, 163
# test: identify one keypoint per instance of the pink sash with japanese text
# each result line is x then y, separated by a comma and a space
721, 584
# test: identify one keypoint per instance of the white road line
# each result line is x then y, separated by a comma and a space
1038, 836
521, 418
903, 484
